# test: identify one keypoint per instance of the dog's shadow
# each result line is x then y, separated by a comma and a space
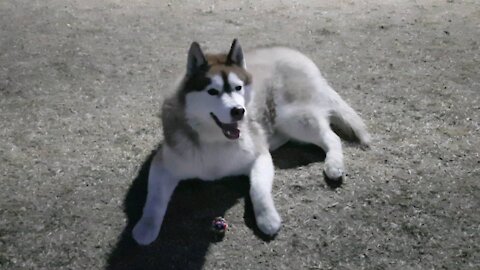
186, 231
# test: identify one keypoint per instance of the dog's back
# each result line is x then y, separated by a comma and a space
289, 80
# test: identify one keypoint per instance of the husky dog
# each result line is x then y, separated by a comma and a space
229, 111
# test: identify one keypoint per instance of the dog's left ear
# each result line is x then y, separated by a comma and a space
235, 55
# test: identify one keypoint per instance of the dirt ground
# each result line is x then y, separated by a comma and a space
81, 83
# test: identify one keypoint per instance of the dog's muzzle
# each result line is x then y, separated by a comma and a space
237, 113
230, 130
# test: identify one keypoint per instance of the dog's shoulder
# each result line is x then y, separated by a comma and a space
174, 124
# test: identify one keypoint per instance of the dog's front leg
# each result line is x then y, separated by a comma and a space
261, 180
161, 185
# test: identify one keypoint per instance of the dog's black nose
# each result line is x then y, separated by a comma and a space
237, 113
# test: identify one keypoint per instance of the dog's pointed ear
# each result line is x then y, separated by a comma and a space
235, 55
196, 59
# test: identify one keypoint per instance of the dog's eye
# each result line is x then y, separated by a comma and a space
238, 88
213, 92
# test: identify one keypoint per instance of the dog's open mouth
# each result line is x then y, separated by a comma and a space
230, 131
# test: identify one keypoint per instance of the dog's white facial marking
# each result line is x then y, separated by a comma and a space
217, 82
233, 100
237, 94
210, 110
234, 81
238, 86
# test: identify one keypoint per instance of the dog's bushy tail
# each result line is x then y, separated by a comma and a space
349, 123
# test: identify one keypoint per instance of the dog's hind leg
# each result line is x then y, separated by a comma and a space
160, 188
312, 126
277, 140
348, 121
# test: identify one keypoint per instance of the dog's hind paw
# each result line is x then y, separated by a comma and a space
145, 231
333, 172
333, 183
269, 222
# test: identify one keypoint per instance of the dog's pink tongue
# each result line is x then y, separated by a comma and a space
232, 133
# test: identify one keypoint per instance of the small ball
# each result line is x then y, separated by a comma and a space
219, 225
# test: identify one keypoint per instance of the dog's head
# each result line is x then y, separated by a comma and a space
216, 91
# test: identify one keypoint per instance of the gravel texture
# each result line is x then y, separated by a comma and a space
81, 83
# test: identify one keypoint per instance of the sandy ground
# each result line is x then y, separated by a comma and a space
81, 83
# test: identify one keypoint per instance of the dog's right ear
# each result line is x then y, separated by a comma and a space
196, 59
235, 55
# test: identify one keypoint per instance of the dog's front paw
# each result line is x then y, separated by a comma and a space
145, 231
269, 222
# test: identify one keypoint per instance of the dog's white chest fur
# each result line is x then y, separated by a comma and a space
211, 161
